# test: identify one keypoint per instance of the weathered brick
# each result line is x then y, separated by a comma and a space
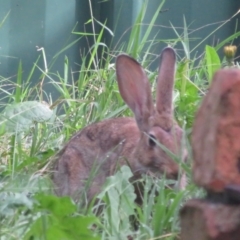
202, 220
216, 134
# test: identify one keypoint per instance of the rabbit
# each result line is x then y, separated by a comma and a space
125, 140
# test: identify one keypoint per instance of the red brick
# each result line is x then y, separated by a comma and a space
216, 134
202, 220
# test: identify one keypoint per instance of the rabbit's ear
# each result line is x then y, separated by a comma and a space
135, 89
166, 81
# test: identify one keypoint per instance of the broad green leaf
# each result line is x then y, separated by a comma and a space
56, 220
10, 201
60, 207
119, 196
20, 117
212, 60
70, 228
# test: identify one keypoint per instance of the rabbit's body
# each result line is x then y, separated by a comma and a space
114, 142
101, 151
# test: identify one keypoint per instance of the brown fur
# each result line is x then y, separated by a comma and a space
119, 141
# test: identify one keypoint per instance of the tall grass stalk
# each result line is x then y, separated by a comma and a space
28, 207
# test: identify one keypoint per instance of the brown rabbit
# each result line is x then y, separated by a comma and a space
125, 140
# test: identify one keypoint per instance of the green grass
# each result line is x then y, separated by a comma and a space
28, 207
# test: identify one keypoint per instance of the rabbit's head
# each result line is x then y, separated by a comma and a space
159, 134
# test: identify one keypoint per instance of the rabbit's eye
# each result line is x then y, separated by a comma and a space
152, 140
